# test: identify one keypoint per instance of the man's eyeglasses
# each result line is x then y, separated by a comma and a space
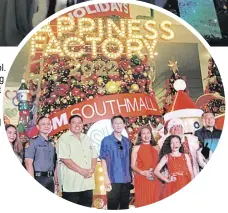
119, 145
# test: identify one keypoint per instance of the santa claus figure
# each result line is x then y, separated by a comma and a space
185, 108
183, 119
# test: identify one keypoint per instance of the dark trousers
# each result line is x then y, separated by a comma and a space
84, 198
119, 196
47, 182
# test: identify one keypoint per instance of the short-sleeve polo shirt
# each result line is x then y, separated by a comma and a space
117, 160
80, 152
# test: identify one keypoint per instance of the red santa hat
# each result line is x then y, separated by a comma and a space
183, 106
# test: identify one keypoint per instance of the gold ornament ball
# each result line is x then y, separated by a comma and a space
100, 80
54, 77
217, 94
129, 72
31, 75
135, 87
125, 76
111, 87
91, 82
98, 203
119, 83
145, 74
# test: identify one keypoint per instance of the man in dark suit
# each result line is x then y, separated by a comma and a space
208, 135
56, 5
46, 8
15, 20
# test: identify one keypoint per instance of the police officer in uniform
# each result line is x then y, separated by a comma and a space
40, 156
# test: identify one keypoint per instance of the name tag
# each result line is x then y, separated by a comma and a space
42, 145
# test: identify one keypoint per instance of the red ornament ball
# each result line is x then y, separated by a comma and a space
94, 77
61, 63
124, 64
82, 95
76, 91
139, 69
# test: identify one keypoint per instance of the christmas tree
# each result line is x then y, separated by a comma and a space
214, 89
169, 85
214, 79
66, 82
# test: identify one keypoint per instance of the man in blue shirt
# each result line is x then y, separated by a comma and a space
115, 160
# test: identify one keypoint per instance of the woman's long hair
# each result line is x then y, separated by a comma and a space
139, 139
166, 148
17, 145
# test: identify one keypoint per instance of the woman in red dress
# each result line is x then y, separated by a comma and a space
178, 164
144, 159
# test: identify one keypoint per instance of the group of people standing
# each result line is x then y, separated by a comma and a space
155, 169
